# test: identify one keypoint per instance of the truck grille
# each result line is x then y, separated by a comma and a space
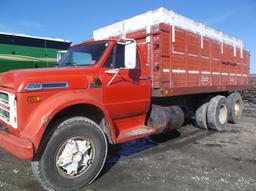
4, 107
4, 114
4, 98
8, 112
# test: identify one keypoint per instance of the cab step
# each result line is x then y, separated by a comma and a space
136, 132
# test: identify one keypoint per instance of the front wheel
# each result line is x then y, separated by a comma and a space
73, 157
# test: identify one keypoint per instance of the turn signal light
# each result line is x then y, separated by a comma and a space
34, 99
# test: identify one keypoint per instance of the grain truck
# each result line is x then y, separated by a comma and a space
138, 77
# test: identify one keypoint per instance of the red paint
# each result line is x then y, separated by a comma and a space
186, 54
126, 102
17, 146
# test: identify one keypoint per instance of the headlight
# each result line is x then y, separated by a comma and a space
8, 108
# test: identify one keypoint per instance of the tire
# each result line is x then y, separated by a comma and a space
85, 142
217, 113
235, 107
201, 116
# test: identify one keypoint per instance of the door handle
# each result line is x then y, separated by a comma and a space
144, 78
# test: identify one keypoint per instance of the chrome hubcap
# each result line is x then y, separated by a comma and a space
223, 114
74, 157
238, 108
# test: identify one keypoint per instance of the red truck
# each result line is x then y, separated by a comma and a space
138, 77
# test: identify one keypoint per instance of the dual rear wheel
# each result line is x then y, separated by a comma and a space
215, 114
235, 107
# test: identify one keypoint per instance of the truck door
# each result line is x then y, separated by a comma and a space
125, 92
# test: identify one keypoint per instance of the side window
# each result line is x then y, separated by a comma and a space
116, 57
119, 61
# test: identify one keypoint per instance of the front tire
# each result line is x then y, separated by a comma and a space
73, 157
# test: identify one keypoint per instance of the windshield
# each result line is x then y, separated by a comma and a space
84, 55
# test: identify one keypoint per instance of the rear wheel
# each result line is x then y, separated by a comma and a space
201, 116
235, 107
217, 113
73, 157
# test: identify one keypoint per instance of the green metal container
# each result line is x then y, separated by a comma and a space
23, 51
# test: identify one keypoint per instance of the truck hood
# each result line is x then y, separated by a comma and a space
18, 79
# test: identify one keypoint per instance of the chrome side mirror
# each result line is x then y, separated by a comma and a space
130, 53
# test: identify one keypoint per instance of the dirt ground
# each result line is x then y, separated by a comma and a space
188, 159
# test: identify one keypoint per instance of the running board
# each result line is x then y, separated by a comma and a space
135, 133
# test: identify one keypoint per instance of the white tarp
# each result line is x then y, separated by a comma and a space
163, 15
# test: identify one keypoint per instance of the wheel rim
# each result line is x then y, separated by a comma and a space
74, 157
238, 107
223, 114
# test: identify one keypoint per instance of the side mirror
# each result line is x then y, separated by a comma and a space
130, 55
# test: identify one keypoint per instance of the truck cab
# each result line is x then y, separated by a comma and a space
100, 84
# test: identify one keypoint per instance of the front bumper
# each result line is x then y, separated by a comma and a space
17, 146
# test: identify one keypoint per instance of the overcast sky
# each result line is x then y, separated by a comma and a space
75, 20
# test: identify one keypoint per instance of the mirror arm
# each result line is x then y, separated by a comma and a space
117, 72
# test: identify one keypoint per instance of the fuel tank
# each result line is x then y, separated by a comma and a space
165, 118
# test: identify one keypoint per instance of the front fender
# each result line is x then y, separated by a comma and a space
45, 112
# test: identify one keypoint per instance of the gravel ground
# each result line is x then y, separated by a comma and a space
188, 159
